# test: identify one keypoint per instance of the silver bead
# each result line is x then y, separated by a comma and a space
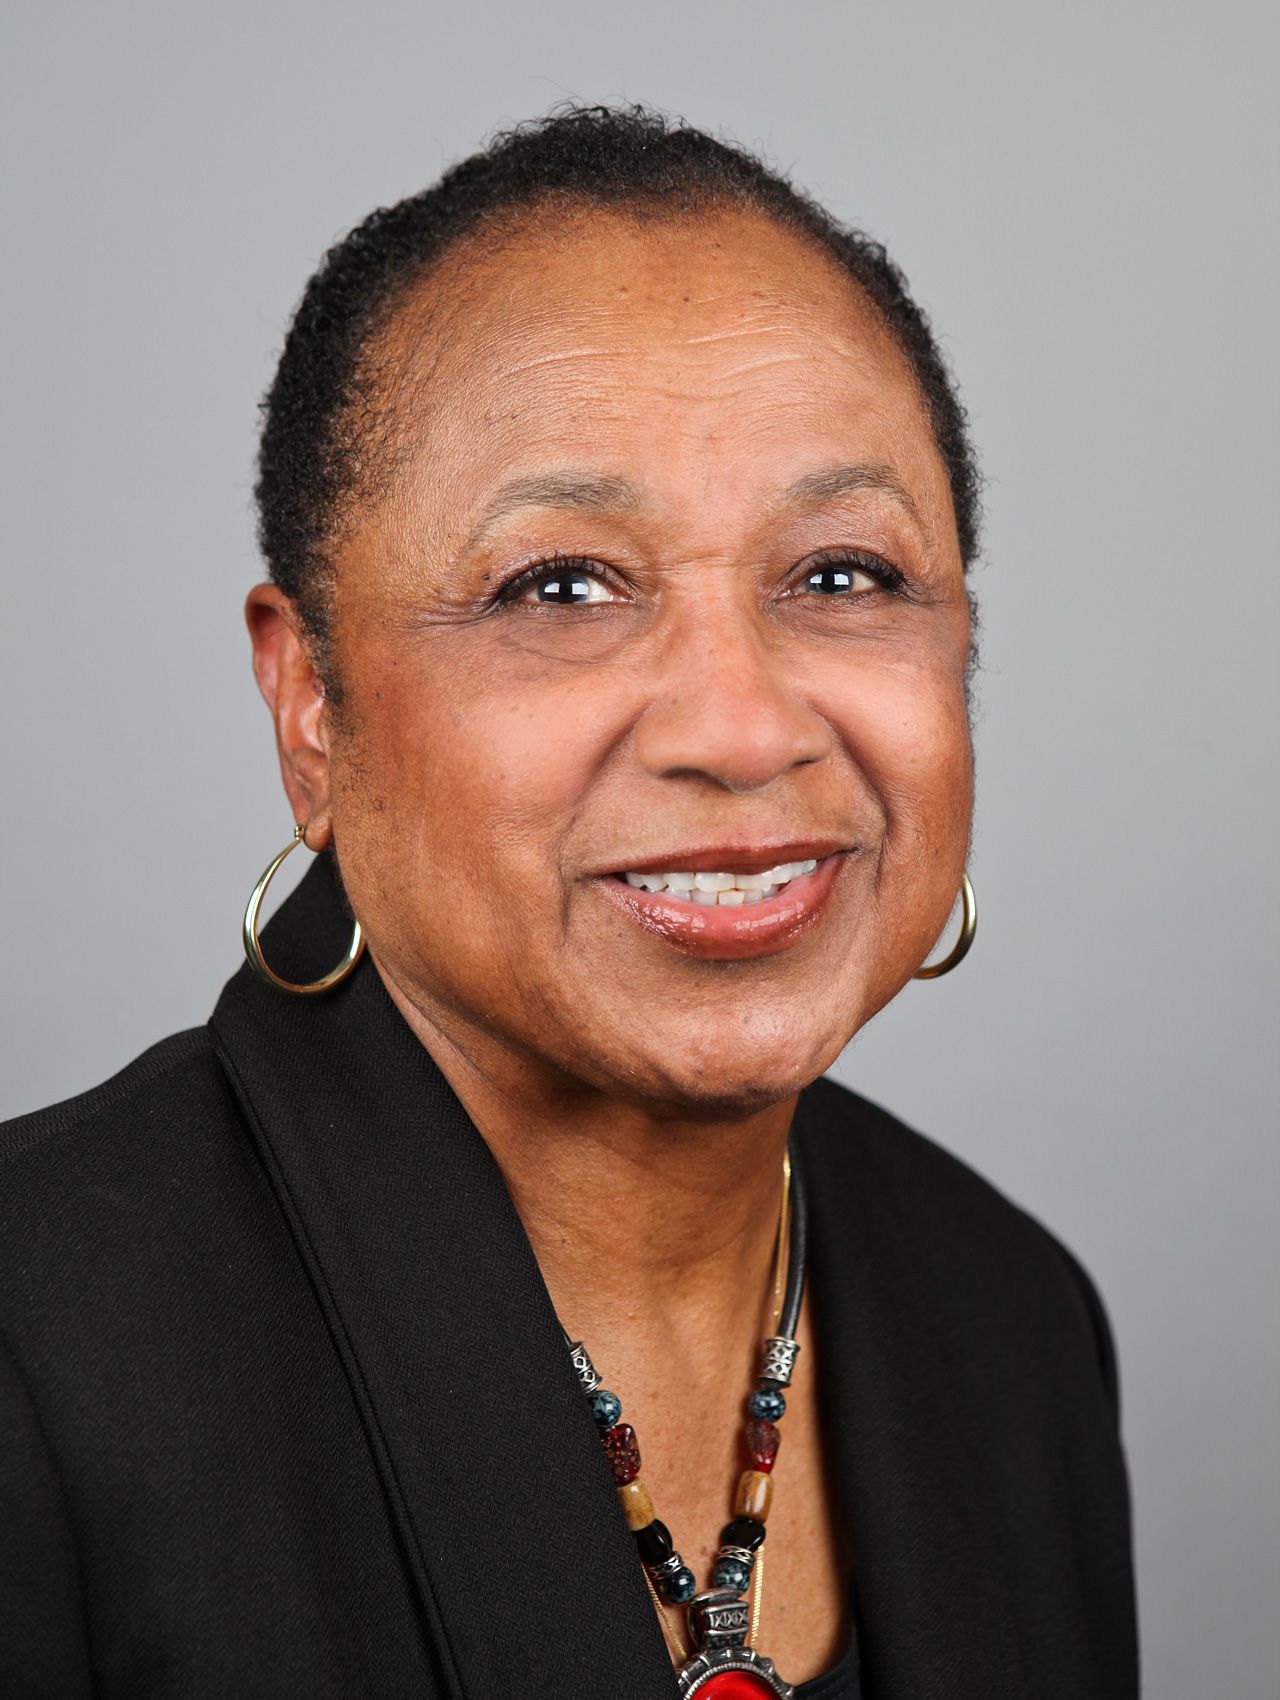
719, 1619
588, 1380
666, 1567
779, 1360
744, 1555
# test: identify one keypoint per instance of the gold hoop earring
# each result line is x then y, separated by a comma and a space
968, 927
253, 950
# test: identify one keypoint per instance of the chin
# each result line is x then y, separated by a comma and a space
730, 1079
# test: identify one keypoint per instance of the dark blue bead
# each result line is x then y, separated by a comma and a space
731, 1573
606, 1407
680, 1588
767, 1404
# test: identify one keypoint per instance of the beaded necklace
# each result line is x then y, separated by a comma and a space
723, 1663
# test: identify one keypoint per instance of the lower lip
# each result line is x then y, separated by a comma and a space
729, 934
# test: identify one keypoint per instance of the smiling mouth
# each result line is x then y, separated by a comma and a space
727, 914
709, 889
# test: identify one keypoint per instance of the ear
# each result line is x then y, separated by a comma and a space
294, 693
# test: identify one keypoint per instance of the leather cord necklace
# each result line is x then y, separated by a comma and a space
723, 1663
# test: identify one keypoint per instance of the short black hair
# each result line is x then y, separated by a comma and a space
319, 448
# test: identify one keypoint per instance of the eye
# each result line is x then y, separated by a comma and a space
565, 581
850, 574
830, 581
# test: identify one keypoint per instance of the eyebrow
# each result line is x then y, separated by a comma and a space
832, 481
586, 492
602, 493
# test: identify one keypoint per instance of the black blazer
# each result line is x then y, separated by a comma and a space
285, 1410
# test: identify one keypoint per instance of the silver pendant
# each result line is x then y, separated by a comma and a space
724, 1665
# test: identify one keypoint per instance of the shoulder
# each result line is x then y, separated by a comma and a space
984, 1250
140, 1241
174, 1094
112, 1179
179, 1070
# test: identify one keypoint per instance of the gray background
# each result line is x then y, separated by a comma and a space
1084, 198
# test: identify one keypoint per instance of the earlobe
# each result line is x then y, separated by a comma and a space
294, 694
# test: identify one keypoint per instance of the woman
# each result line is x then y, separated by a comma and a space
617, 506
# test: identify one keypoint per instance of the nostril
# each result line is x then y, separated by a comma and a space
742, 726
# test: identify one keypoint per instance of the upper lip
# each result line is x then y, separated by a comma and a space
732, 858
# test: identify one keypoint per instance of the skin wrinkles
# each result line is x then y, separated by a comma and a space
489, 763
711, 343
760, 364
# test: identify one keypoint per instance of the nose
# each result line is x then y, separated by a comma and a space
728, 705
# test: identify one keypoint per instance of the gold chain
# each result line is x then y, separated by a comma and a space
784, 1223
757, 1597
681, 1651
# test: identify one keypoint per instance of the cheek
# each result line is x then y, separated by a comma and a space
906, 726
447, 787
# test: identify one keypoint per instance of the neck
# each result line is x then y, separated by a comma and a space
651, 1227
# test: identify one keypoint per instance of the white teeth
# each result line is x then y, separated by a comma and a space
713, 882
752, 882
709, 887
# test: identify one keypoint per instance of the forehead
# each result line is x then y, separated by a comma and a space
723, 352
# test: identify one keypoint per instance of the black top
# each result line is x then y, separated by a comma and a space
839, 1683
285, 1408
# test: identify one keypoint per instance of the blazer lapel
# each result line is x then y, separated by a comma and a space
931, 1595
494, 1480
495, 1483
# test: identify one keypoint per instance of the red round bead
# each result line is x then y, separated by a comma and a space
622, 1449
763, 1440
736, 1685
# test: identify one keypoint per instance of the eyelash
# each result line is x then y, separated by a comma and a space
888, 577
538, 570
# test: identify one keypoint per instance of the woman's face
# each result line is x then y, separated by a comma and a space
666, 580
